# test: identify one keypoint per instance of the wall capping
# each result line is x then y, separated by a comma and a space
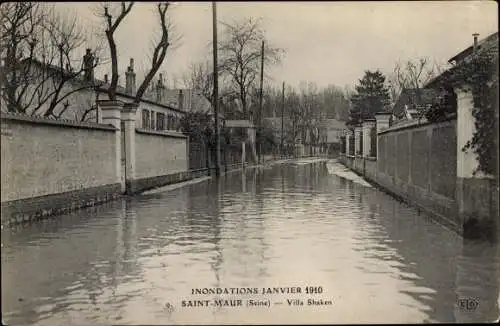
171, 134
417, 124
22, 118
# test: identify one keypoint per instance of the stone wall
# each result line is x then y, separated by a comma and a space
160, 153
55, 166
417, 163
49, 166
161, 158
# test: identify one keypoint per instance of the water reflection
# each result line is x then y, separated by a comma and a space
132, 261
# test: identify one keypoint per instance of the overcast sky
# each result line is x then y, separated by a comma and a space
325, 42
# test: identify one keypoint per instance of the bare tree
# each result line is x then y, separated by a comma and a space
38, 48
21, 21
159, 51
240, 56
111, 27
313, 112
200, 77
412, 74
335, 102
295, 115
159, 46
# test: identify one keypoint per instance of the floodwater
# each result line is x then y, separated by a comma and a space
137, 260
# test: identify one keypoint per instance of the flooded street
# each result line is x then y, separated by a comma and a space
138, 260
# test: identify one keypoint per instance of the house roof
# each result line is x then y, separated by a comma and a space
486, 46
483, 44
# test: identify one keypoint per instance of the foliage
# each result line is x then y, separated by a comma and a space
266, 138
372, 96
481, 74
199, 126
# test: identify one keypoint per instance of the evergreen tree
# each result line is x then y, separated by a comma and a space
372, 97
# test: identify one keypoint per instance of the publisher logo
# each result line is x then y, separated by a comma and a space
467, 304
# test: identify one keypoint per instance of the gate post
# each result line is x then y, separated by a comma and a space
128, 118
110, 114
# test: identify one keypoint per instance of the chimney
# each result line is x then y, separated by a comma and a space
181, 100
88, 66
159, 89
130, 79
475, 35
106, 78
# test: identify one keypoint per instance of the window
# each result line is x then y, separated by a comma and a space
160, 121
175, 123
169, 122
153, 120
145, 119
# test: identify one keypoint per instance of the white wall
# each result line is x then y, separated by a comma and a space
41, 158
466, 161
159, 154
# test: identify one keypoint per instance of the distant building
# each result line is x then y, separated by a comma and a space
332, 131
486, 46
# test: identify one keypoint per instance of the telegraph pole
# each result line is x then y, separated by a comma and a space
216, 90
260, 99
282, 118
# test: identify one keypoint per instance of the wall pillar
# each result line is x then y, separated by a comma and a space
382, 122
110, 114
128, 119
357, 138
368, 125
466, 161
476, 195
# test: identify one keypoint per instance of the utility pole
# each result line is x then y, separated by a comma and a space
216, 90
260, 100
282, 118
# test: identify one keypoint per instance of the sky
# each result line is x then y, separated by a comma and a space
325, 42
